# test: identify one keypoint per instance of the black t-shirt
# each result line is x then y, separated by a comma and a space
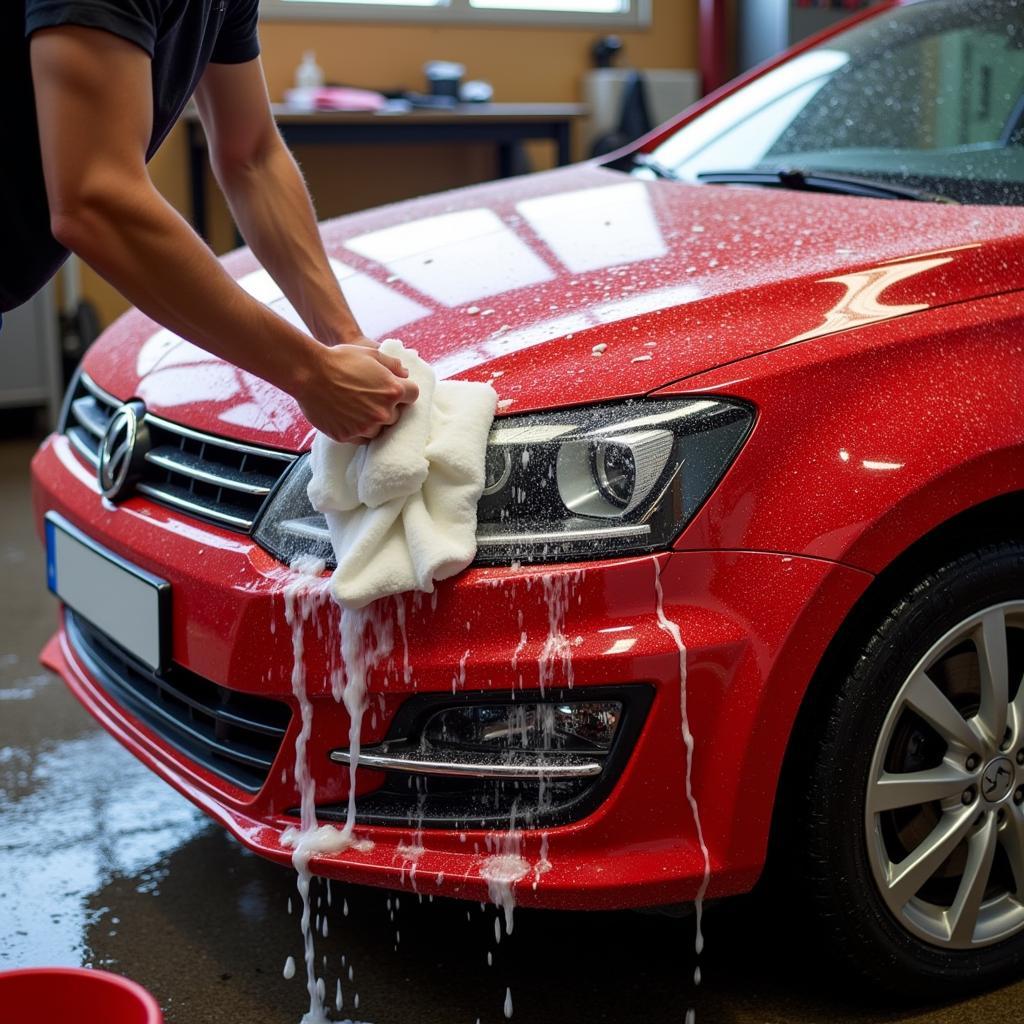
181, 37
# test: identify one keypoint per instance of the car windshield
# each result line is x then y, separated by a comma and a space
928, 96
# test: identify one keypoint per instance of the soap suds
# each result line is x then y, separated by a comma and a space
559, 590
302, 596
672, 629
501, 871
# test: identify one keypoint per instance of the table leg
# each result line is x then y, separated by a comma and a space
562, 141
197, 179
506, 159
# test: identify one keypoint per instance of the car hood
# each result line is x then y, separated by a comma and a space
585, 284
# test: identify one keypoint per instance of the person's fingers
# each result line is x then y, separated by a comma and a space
410, 392
394, 365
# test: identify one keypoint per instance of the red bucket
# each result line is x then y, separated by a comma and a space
44, 994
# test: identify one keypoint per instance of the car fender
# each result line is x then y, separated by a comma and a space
869, 439
934, 404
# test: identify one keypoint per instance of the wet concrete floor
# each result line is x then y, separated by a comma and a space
104, 865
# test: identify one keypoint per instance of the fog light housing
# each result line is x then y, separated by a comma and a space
537, 726
531, 741
481, 759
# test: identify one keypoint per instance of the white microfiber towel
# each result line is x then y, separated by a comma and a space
402, 509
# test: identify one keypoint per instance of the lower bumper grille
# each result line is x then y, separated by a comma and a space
234, 735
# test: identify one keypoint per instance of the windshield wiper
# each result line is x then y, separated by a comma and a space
658, 170
816, 181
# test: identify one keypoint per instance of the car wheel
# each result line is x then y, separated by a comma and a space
913, 816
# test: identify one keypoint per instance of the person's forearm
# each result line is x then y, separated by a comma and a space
95, 117
133, 237
272, 208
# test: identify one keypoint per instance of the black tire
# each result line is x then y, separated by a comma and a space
830, 784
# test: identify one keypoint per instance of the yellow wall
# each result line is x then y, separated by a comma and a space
523, 64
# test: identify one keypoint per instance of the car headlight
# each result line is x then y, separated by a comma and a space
569, 485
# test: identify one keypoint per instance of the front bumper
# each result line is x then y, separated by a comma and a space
755, 626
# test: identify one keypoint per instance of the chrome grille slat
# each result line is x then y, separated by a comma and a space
177, 461
82, 446
203, 475
88, 415
88, 384
88, 412
196, 508
220, 442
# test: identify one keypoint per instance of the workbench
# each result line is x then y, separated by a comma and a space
503, 124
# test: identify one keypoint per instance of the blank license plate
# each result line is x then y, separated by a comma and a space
127, 603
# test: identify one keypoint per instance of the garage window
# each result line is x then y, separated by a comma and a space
596, 13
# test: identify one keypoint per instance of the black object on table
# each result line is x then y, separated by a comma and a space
504, 124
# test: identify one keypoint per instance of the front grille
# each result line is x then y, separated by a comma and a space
88, 414
234, 735
206, 476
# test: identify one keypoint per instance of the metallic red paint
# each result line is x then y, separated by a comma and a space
869, 440
748, 662
759, 273
878, 341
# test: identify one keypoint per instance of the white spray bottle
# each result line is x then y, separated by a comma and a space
309, 74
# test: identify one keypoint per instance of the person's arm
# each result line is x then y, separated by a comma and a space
94, 108
268, 197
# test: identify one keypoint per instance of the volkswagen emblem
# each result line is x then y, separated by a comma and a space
123, 451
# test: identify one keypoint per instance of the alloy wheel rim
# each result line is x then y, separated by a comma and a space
944, 809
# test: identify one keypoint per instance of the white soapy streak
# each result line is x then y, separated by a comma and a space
354, 697
502, 869
400, 619
300, 598
543, 864
559, 589
505, 866
672, 629
303, 594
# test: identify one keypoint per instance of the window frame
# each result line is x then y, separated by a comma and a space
453, 12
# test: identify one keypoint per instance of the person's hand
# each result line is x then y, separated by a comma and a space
353, 391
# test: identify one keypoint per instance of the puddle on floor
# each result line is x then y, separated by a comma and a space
92, 814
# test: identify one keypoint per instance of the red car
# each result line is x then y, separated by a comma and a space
762, 382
